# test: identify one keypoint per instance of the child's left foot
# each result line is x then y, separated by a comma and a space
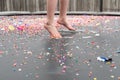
65, 23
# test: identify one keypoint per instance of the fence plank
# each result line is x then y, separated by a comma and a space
111, 5
42, 5
74, 5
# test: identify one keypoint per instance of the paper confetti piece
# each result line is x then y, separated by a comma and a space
11, 28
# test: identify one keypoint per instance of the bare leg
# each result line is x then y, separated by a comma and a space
63, 12
49, 26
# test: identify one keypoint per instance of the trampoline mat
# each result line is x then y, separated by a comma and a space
27, 52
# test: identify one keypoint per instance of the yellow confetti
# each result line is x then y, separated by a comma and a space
94, 78
11, 28
97, 24
108, 63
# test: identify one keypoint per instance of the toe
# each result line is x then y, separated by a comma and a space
71, 28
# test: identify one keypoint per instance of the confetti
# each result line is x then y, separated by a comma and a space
94, 78
1, 52
112, 76
97, 34
20, 69
15, 64
77, 74
11, 28
21, 28
86, 37
90, 74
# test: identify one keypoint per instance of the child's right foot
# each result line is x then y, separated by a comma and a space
53, 31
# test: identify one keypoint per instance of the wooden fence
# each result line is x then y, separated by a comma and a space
75, 5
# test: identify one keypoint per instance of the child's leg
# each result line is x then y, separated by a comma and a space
63, 12
51, 6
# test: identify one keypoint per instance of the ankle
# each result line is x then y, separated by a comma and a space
62, 18
48, 23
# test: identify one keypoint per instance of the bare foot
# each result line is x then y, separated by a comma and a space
53, 31
65, 23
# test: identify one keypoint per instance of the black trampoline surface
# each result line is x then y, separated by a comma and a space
29, 53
